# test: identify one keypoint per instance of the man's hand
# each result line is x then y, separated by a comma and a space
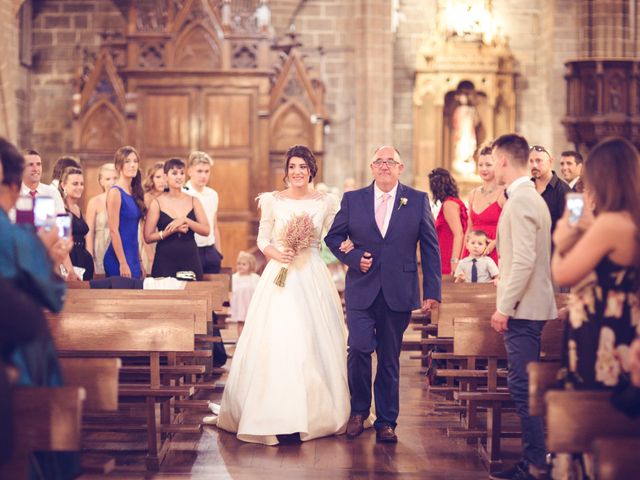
365, 262
346, 246
499, 322
429, 304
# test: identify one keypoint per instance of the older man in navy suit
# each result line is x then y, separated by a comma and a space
385, 221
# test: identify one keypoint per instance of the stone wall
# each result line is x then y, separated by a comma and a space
368, 70
14, 78
61, 30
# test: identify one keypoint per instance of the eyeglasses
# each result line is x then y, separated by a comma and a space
389, 162
539, 149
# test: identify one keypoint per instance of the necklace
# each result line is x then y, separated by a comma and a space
487, 192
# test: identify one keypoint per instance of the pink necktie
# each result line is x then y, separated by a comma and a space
381, 211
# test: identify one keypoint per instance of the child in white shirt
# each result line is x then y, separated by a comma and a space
477, 267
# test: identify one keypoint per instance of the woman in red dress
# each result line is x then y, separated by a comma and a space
485, 203
451, 222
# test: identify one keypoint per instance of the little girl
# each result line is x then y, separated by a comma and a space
243, 284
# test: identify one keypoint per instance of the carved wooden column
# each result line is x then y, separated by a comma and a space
602, 85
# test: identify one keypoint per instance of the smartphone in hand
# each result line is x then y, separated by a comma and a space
63, 222
575, 206
44, 212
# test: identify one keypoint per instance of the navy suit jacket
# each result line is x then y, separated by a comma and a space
395, 266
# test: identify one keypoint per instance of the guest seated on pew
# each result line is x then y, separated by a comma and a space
602, 254
477, 267
71, 188
243, 284
173, 219
98, 238
27, 260
599, 257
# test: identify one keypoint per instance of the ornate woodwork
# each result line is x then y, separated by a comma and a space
602, 100
465, 80
448, 70
199, 75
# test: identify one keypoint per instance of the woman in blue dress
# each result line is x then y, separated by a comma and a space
125, 208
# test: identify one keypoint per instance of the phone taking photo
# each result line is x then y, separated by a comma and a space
44, 212
575, 206
63, 222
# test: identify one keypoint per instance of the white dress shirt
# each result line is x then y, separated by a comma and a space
517, 182
209, 200
573, 182
48, 191
377, 196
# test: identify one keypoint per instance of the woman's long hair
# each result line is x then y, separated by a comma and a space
148, 185
612, 174
136, 183
442, 184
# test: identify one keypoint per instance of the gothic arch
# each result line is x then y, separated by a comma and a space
103, 128
291, 125
197, 48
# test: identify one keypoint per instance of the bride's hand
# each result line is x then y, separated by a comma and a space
347, 246
285, 256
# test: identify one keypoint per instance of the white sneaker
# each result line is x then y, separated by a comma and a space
214, 408
210, 420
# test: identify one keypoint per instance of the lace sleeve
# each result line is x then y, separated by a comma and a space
333, 205
265, 203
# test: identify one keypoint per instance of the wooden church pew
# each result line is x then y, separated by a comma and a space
91, 333
46, 420
575, 418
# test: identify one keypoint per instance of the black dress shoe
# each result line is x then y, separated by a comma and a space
386, 434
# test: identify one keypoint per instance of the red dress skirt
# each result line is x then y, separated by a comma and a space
445, 235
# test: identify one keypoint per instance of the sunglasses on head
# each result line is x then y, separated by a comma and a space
539, 149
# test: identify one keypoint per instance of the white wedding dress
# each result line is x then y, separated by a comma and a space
289, 370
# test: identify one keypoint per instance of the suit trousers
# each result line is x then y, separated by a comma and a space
379, 329
522, 342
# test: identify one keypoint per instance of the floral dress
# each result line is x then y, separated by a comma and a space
604, 319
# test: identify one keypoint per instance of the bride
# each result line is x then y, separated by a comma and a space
289, 372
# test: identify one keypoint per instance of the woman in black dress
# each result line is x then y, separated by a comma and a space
71, 187
176, 216
599, 257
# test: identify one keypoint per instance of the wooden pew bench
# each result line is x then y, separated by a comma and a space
91, 333
616, 457
46, 420
575, 418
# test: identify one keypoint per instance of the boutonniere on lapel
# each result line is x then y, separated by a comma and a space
403, 202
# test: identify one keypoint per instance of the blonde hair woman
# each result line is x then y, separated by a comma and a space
98, 238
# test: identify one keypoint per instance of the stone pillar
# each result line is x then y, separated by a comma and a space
373, 44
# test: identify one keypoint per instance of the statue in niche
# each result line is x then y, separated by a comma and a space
465, 120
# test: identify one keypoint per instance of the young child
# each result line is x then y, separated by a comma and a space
243, 284
477, 267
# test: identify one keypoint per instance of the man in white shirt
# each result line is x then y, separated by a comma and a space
209, 247
31, 185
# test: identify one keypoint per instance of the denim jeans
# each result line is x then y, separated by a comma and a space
522, 341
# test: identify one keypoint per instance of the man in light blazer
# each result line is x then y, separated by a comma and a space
525, 297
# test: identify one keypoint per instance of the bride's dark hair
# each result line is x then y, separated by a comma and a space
305, 154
